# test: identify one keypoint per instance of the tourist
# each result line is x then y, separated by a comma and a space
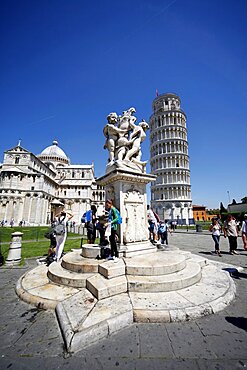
113, 221
231, 231
90, 223
60, 229
163, 232
244, 231
153, 225
215, 229
101, 227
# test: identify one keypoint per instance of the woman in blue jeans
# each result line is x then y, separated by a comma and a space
215, 229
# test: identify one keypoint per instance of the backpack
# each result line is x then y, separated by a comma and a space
162, 229
83, 218
120, 220
88, 216
119, 217
59, 229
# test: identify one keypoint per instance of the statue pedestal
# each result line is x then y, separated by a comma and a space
127, 189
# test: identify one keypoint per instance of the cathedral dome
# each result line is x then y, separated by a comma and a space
54, 153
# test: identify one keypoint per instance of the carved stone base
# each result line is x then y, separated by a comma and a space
136, 249
127, 189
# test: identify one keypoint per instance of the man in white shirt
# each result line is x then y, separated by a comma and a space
244, 231
231, 231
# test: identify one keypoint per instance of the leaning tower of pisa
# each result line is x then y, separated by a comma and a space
169, 160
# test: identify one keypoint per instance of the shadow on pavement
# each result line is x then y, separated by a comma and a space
235, 273
240, 322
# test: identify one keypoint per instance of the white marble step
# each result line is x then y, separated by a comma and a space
59, 275
190, 275
158, 263
35, 288
102, 288
211, 294
90, 250
84, 321
110, 270
75, 262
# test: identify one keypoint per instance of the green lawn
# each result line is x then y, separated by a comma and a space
39, 245
29, 233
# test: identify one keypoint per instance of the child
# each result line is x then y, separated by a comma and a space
163, 232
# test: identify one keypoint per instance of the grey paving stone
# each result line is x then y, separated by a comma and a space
213, 342
163, 364
222, 364
124, 344
154, 341
188, 341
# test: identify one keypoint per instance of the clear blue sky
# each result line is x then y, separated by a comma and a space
66, 64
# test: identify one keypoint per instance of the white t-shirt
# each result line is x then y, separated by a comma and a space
244, 227
231, 228
216, 229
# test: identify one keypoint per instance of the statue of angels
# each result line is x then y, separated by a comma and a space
123, 140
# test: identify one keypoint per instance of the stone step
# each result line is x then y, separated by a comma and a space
59, 275
191, 274
192, 257
90, 250
84, 321
35, 288
158, 263
102, 288
202, 261
211, 294
110, 270
137, 249
75, 262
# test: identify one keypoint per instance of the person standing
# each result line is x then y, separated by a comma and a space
90, 222
163, 232
215, 229
153, 225
244, 231
231, 231
113, 221
62, 219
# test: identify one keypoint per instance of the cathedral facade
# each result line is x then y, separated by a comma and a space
34, 187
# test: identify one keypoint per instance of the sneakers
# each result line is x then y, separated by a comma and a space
110, 258
114, 259
234, 252
219, 254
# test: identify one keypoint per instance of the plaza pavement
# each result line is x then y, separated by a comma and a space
30, 338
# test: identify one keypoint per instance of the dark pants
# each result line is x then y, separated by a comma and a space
112, 238
164, 238
216, 239
91, 233
233, 243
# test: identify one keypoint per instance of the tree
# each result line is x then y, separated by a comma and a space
244, 200
222, 208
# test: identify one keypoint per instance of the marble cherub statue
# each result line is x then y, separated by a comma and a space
123, 141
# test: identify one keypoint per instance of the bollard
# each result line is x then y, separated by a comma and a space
14, 256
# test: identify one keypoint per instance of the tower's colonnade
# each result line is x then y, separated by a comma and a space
169, 160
